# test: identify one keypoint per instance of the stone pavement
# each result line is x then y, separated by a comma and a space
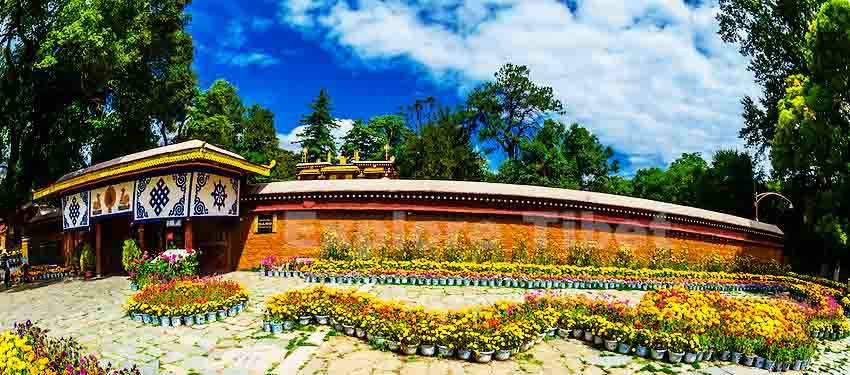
92, 311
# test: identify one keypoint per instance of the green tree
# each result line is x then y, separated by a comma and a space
317, 137
73, 74
363, 139
730, 183
511, 108
441, 146
562, 157
216, 116
772, 34
391, 131
810, 151
651, 183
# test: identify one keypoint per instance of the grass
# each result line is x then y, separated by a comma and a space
295, 343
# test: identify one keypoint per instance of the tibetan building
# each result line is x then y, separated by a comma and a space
195, 195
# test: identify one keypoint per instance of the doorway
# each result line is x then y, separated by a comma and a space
114, 231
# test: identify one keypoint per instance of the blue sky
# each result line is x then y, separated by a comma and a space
649, 77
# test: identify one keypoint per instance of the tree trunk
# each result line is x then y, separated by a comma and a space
837, 272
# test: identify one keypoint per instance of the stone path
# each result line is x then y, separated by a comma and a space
92, 311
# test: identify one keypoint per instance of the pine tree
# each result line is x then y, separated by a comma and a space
317, 137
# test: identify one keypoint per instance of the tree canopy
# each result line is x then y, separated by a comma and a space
316, 136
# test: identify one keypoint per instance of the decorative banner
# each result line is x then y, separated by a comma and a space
112, 199
75, 210
161, 197
215, 195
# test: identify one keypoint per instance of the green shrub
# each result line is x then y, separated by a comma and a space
87, 258
584, 254
130, 252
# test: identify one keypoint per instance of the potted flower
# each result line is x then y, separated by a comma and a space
660, 343
692, 347
642, 340
678, 344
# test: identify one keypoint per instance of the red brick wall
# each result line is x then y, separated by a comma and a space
299, 232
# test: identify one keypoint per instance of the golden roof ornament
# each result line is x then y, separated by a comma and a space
356, 155
304, 155
387, 151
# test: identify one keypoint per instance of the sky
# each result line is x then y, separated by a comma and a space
651, 78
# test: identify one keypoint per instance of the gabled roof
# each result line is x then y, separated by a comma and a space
189, 152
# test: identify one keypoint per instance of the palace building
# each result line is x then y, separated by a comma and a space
195, 195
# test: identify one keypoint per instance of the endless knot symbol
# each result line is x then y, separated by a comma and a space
74, 210
159, 196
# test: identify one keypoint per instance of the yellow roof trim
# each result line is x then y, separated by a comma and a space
309, 171
374, 170
341, 168
198, 154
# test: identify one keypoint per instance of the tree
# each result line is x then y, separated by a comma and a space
363, 139
511, 108
391, 131
651, 183
216, 116
316, 137
562, 157
440, 147
72, 75
772, 34
810, 151
730, 183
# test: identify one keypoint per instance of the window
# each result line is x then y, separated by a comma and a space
265, 223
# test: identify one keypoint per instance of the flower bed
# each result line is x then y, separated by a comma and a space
187, 302
282, 266
41, 272
673, 324
170, 265
27, 350
423, 272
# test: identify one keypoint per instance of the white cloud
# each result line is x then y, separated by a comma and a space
234, 35
288, 140
650, 77
253, 58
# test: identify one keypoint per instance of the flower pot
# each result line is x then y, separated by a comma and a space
200, 319
349, 330
338, 326
588, 336
657, 354
768, 365
137, 317
211, 316
304, 320
785, 366
221, 314
797, 365
146, 319
464, 354
503, 355
578, 333
134, 286
189, 320
392, 345
231, 311
690, 358
641, 351
483, 357
288, 325
563, 333
758, 362
623, 348
277, 327
427, 350
164, 321
747, 360
444, 351
267, 326
610, 345
526, 346
376, 340
724, 356
322, 319
735, 357
360, 332
409, 349
598, 340
176, 321
675, 357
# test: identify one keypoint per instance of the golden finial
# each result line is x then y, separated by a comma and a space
342, 160
329, 156
356, 155
304, 155
387, 151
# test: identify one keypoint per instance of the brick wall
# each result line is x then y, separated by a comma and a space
299, 232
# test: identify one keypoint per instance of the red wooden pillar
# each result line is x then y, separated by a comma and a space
142, 237
97, 254
187, 234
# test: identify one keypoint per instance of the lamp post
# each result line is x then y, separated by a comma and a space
761, 196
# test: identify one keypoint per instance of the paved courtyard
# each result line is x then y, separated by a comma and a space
93, 313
